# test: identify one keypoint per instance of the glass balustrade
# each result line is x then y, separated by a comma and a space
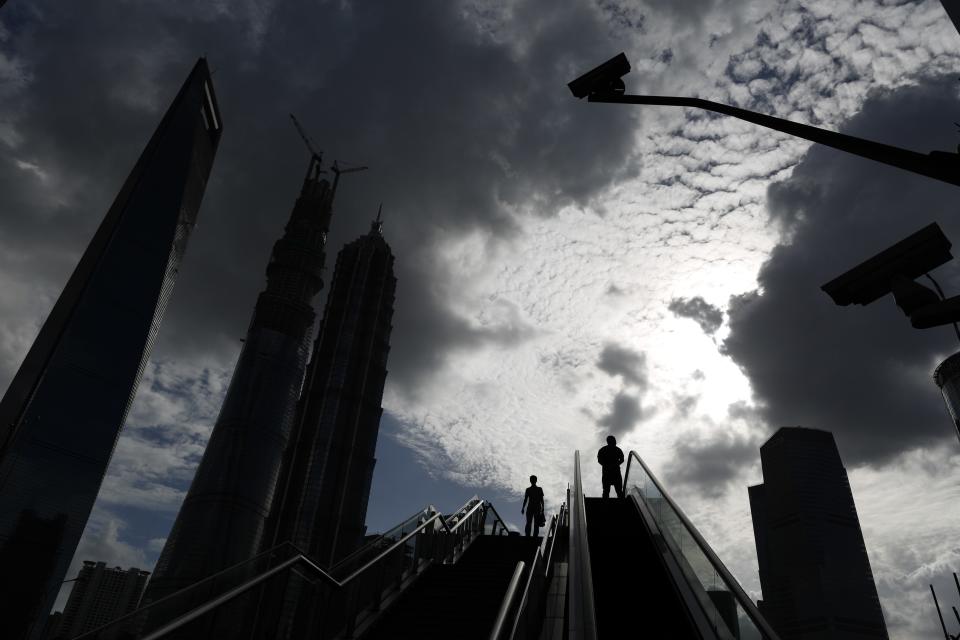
731, 614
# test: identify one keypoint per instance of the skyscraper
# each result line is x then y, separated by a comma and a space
223, 517
100, 594
328, 470
814, 570
62, 413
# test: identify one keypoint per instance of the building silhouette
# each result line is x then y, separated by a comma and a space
947, 377
100, 594
62, 413
223, 518
814, 570
329, 468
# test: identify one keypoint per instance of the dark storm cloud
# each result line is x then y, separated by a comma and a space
625, 413
626, 409
622, 361
462, 123
861, 372
710, 463
700, 311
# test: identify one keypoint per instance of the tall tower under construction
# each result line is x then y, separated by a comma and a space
222, 520
327, 475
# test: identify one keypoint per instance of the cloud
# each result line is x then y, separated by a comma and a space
621, 361
462, 125
530, 230
861, 372
711, 463
700, 311
625, 413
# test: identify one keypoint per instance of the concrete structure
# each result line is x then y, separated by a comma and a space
223, 518
62, 413
100, 594
814, 570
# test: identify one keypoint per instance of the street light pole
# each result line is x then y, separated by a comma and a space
939, 165
604, 84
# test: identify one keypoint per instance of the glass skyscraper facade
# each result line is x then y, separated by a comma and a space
223, 518
814, 570
329, 468
62, 413
325, 483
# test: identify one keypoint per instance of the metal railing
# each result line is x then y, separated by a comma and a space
528, 619
256, 594
581, 618
730, 611
507, 601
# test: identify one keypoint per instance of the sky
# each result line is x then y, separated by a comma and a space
565, 270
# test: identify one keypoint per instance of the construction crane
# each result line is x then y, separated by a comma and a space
337, 171
316, 158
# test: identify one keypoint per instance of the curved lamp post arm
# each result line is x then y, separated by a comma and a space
939, 165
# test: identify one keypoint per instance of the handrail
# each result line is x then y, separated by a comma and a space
555, 527
741, 596
210, 578
385, 552
494, 509
548, 541
345, 560
463, 518
582, 622
193, 614
419, 528
508, 600
300, 557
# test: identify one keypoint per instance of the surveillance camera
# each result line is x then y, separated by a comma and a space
604, 79
910, 258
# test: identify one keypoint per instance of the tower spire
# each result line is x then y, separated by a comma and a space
377, 225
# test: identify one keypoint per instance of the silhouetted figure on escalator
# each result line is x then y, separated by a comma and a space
610, 458
533, 503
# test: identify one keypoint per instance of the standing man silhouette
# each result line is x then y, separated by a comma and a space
610, 458
533, 503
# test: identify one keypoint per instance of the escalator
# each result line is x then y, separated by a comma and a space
622, 568
638, 567
629, 573
472, 590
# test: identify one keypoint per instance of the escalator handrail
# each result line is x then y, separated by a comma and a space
508, 599
548, 543
555, 527
732, 583
300, 557
582, 622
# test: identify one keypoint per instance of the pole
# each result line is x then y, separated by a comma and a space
939, 165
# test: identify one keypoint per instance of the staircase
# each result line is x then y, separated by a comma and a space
632, 589
458, 600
